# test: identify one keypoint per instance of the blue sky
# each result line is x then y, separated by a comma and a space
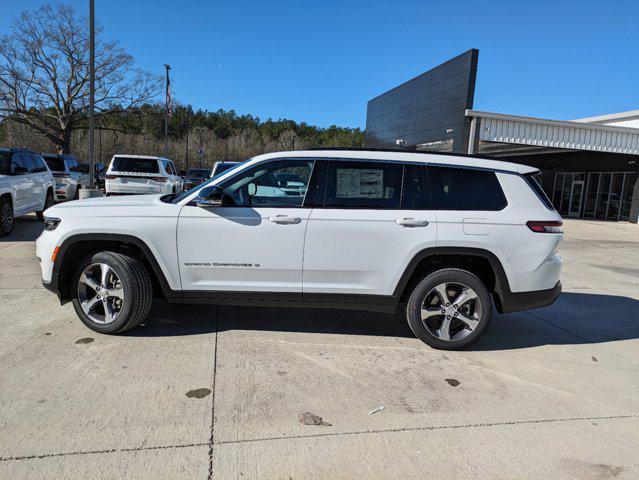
320, 62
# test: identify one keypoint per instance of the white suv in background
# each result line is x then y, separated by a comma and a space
26, 185
70, 175
443, 236
139, 174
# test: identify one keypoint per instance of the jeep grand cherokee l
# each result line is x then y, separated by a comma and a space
441, 236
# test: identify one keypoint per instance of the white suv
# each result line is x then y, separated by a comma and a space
70, 175
139, 174
26, 185
443, 236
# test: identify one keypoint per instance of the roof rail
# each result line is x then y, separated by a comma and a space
408, 150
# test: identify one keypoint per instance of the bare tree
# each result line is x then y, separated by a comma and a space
44, 74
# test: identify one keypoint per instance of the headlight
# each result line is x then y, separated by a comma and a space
51, 223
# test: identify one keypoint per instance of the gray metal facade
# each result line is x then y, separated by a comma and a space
429, 108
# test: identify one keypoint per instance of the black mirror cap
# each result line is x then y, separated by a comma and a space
211, 196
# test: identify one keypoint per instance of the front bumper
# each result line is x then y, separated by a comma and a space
508, 302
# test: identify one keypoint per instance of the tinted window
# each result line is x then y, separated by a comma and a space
55, 164
138, 165
414, 192
465, 189
261, 186
39, 162
29, 162
363, 185
5, 163
16, 162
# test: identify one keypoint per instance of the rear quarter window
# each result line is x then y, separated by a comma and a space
465, 189
534, 181
137, 165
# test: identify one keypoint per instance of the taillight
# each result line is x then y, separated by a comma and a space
159, 179
110, 177
546, 227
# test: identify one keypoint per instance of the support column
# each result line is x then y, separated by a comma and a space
472, 137
634, 204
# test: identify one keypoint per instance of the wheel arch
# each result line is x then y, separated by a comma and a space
483, 263
75, 248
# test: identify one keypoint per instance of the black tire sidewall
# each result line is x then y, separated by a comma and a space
413, 307
40, 214
3, 232
122, 270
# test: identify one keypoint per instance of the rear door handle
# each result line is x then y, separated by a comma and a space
284, 219
411, 222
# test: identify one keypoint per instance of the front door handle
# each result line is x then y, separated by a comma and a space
411, 222
284, 219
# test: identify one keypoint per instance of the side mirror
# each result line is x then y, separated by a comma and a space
209, 197
252, 189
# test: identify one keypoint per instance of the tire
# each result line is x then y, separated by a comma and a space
7, 219
465, 323
129, 298
48, 202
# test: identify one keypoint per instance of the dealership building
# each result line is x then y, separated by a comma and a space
590, 166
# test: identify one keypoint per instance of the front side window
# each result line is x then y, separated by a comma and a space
29, 162
17, 165
273, 184
465, 189
353, 184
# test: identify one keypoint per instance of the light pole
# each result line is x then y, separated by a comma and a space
91, 92
167, 110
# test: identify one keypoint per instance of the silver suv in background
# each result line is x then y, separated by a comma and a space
70, 175
139, 174
26, 185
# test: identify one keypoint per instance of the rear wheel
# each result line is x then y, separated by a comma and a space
48, 202
6, 217
113, 292
449, 309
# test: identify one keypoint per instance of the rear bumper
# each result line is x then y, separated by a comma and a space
514, 302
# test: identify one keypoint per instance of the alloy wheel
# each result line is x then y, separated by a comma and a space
100, 293
6, 217
451, 311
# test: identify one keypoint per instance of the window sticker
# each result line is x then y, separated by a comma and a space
360, 183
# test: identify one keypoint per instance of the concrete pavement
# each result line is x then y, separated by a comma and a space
215, 392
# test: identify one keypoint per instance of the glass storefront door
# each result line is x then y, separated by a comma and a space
603, 196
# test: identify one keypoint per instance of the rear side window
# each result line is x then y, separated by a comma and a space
534, 181
137, 165
465, 189
29, 162
363, 185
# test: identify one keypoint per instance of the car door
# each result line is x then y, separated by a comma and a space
21, 182
252, 243
374, 219
38, 186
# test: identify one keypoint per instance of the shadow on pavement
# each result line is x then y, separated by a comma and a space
25, 229
576, 318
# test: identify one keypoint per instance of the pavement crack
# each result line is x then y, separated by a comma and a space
430, 428
538, 317
211, 443
212, 440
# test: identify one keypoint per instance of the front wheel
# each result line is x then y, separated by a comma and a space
449, 309
6, 217
113, 292
48, 202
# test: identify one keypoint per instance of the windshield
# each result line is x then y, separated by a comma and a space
183, 195
55, 164
138, 165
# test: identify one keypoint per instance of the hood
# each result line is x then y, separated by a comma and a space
118, 201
